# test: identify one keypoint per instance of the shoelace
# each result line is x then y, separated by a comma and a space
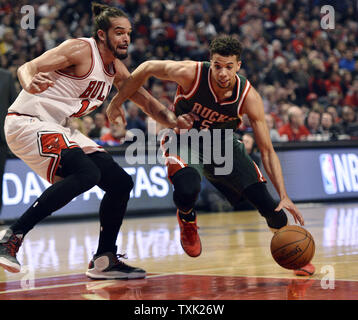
124, 256
119, 256
13, 245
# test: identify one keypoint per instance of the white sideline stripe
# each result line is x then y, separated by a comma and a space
98, 282
44, 287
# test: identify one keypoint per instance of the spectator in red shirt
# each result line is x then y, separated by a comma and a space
117, 135
281, 116
294, 129
351, 98
333, 83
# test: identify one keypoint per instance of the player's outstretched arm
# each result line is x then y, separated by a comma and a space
253, 107
33, 75
151, 106
130, 85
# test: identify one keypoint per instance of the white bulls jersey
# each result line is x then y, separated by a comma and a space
35, 124
71, 96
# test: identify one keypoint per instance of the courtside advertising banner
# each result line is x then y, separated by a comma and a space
152, 190
310, 175
319, 174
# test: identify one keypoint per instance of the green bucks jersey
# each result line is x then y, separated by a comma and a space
202, 102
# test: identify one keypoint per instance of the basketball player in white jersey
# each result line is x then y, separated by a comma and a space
72, 80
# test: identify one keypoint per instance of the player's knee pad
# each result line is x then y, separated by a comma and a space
118, 181
259, 196
76, 162
114, 179
187, 185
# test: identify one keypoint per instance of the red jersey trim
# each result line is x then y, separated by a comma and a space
20, 114
181, 95
243, 97
103, 66
215, 96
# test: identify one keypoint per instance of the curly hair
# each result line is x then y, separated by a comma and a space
226, 46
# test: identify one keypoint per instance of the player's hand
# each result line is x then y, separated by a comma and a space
39, 83
286, 203
114, 112
184, 122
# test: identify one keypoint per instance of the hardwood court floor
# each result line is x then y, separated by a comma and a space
235, 263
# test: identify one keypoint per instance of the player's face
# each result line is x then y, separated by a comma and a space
224, 69
118, 37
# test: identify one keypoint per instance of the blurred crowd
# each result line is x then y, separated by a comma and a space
307, 75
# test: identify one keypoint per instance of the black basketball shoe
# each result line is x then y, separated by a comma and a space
108, 266
9, 246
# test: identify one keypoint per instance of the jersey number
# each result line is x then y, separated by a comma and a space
84, 106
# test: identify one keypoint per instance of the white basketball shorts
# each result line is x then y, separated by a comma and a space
39, 143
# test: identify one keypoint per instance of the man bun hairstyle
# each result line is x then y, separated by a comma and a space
226, 46
97, 8
101, 17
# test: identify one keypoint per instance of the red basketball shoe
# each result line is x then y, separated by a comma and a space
297, 288
307, 270
189, 237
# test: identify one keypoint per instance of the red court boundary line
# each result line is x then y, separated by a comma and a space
345, 289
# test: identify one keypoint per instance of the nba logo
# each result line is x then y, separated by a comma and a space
328, 174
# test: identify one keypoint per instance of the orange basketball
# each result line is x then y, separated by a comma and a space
292, 247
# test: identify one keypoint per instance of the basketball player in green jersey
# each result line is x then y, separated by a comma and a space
217, 96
